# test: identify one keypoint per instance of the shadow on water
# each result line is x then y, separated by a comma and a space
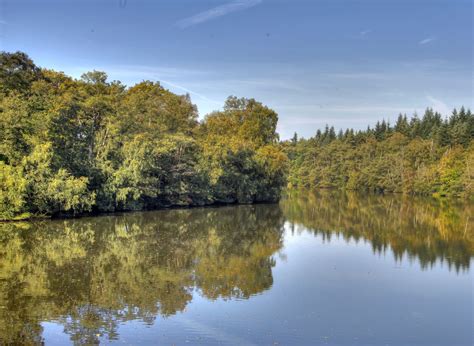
92, 274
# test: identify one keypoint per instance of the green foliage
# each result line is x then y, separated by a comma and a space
51, 191
66, 193
35, 187
241, 155
15, 128
72, 146
17, 72
428, 156
13, 187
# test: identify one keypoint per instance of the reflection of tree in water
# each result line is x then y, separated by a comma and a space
92, 274
420, 228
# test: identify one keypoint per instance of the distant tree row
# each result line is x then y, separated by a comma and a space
431, 155
73, 146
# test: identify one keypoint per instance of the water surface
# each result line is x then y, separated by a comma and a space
319, 268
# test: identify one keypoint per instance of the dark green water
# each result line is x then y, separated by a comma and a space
319, 268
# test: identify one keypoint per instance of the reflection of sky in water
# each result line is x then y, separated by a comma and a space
323, 292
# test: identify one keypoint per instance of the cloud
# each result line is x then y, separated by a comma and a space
359, 75
361, 35
189, 91
439, 105
216, 12
266, 83
427, 40
140, 71
131, 74
4, 22
380, 110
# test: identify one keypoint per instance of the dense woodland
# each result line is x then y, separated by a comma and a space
428, 155
69, 146
74, 146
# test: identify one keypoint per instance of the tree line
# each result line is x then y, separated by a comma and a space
79, 145
69, 146
431, 155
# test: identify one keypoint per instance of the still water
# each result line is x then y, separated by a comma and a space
319, 268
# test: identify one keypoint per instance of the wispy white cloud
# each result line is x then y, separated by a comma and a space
427, 40
333, 121
189, 91
266, 83
216, 12
359, 75
380, 110
157, 73
151, 71
439, 105
131, 74
3, 22
364, 33
361, 35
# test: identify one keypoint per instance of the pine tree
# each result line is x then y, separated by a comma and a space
294, 140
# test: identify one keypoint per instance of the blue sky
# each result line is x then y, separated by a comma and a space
347, 63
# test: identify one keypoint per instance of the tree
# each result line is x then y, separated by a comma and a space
426, 156
294, 139
13, 188
240, 153
17, 72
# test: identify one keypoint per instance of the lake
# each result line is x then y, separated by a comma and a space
317, 268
